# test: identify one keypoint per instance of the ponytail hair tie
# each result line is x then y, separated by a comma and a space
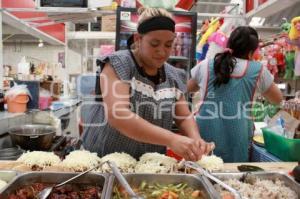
228, 50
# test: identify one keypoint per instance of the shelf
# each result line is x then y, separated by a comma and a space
219, 15
270, 8
91, 35
289, 95
178, 58
267, 28
50, 10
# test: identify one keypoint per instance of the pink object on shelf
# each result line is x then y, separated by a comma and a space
106, 50
44, 102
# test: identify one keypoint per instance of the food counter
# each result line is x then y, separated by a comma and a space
154, 175
228, 167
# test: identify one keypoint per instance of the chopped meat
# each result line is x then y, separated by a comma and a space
64, 192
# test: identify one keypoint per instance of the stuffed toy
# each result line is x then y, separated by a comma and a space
289, 61
295, 28
285, 27
202, 50
217, 43
257, 55
272, 64
279, 56
213, 26
218, 39
294, 36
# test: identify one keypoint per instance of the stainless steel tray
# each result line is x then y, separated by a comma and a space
193, 181
7, 176
54, 178
288, 181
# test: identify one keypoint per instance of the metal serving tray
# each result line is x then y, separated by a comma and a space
55, 178
193, 181
288, 181
7, 176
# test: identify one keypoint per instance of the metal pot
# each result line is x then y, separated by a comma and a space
33, 137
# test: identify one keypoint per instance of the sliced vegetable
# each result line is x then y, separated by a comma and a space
196, 194
160, 191
143, 185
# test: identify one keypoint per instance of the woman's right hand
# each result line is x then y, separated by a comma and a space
186, 147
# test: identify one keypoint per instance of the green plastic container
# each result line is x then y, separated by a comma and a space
284, 148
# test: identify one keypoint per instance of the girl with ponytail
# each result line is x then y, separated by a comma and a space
228, 84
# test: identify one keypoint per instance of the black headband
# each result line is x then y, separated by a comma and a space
156, 23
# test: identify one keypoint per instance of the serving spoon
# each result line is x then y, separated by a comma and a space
122, 180
46, 191
202, 171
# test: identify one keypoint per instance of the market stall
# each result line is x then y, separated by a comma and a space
52, 58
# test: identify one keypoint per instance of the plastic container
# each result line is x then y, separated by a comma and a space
18, 103
284, 148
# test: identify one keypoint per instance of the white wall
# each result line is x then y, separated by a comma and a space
74, 62
12, 55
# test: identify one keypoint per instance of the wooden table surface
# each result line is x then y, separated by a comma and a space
267, 166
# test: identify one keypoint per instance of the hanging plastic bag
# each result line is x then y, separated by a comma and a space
16, 90
17, 98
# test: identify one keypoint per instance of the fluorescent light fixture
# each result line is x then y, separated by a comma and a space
257, 21
41, 43
282, 86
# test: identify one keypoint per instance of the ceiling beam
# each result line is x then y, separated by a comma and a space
217, 3
61, 10
36, 19
43, 24
91, 35
219, 15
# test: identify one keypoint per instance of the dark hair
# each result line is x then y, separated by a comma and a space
242, 41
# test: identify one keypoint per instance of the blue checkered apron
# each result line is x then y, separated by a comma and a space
224, 117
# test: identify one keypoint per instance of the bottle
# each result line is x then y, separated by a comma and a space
1, 101
128, 3
278, 128
297, 133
